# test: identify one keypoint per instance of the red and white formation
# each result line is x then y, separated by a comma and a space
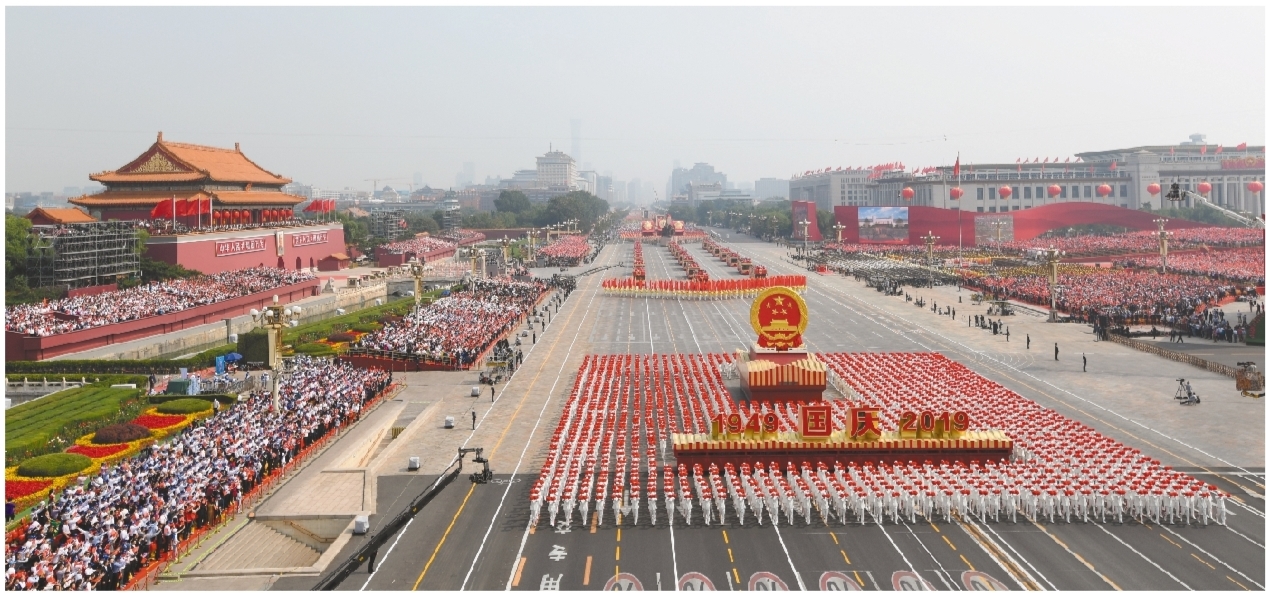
624, 407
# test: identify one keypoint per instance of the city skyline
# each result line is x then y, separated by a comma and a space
761, 110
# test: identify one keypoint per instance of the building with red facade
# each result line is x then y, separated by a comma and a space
241, 217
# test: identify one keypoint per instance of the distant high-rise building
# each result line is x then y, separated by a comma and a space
556, 170
70, 191
575, 140
466, 177
769, 187
418, 181
634, 191
700, 173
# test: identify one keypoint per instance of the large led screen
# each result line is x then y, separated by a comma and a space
883, 224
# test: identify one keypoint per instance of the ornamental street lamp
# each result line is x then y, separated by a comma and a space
275, 317
505, 250
1051, 257
997, 229
930, 240
804, 231
839, 232
418, 269
1163, 235
532, 234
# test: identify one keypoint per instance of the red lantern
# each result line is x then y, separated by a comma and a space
1054, 190
1255, 187
1154, 189
956, 193
1103, 190
1204, 187
1005, 191
908, 193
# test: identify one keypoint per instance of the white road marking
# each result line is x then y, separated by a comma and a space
1140, 555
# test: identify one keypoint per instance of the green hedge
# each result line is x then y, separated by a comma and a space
367, 328
54, 421
184, 405
138, 380
54, 465
314, 349
224, 398
87, 367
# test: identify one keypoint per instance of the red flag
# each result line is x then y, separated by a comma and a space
1046, 160
1219, 150
182, 207
1242, 146
1026, 160
161, 210
1204, 148
957, 168
1017, 161
1113, 166
1171, 151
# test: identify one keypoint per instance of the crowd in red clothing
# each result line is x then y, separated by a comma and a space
1231, 265
1140, 241
565, 250
102, 530
157, 298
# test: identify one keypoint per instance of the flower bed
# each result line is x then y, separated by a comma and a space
156, 421
24, 492
99, 451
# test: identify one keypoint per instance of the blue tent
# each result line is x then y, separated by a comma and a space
232, 357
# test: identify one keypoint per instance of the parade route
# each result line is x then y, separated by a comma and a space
478, 537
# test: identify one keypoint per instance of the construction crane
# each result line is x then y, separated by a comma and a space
1177, 193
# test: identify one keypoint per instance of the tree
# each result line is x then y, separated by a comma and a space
826, 224
513, 201
17, 245
579, 205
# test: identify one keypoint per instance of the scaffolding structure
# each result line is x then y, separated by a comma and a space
452, 215
386, 224
83, 254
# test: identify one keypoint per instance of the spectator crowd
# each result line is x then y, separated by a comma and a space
100, 531
157, 298
1231, 265
567, 250
454, 330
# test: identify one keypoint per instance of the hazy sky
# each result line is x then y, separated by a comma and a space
334, 96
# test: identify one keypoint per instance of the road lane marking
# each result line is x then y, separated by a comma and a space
846, 560
1170, 540
859, 579
1140, 555
736, 577
1237, 582
588, 565
1211, 567
836, 539
726, 536
967, 562
617, 553
593, 523
388, 554
518, 574
444, 537
731, 553
1215, 558
617, 533
799, 580
930, 555
1002, 558
948, 542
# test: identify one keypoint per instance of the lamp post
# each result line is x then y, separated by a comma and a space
997, 230
505, 250
532, 234
839, 232
418, 269
275, 317
804, 234
930, 240
1163, 235
1051, 257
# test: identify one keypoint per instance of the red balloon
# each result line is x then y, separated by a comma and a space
1255, 186
956, 193
1154, 189
1103, 190
1005, 191
1054, 191
1204, 187
908, 193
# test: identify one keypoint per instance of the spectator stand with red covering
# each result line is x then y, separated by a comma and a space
566, 250
73, 324
424, 247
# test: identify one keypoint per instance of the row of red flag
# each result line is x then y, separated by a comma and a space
320, 206
182, 207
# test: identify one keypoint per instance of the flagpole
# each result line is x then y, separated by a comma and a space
173, 213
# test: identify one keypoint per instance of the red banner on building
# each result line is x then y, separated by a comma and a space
302, 239
1247, 162
236, 246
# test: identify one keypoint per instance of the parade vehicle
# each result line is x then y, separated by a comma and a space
732, 259
694, 273
639, 273
1185, 393
760, 272
745, 266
